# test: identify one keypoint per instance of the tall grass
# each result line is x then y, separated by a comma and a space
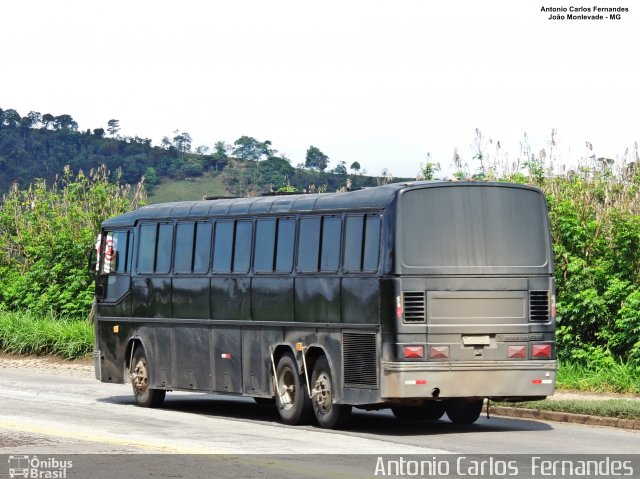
31, 333
617, 376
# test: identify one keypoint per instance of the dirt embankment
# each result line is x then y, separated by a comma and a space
48, 365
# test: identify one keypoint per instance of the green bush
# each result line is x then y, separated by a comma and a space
596, 233
46, 232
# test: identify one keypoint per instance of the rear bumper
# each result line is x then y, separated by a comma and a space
502, 379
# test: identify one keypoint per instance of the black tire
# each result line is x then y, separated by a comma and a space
143, 394
328, 414
292, 400
265, 401
431, 411
464, 412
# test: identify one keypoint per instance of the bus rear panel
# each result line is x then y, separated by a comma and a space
475, 295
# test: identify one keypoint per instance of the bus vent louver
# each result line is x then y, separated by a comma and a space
538, 305
413, 306
359, 360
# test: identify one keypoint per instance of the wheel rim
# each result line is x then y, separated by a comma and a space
287, 389
140, 377
322, 394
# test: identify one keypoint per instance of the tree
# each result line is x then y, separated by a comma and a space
47, 120
11, 118
220, 156
315, 159
341, 169
151, 179
99, 132
355, 167
64, 122
35, 118
113, 127
248, 148
182, 141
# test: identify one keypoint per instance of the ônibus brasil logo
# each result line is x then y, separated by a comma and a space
32, 467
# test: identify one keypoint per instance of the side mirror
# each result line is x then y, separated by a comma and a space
92, 261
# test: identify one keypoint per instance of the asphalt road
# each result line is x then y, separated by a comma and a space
45, 413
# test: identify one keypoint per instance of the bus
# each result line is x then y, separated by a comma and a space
422, 297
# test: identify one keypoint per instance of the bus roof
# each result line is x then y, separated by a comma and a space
368, 198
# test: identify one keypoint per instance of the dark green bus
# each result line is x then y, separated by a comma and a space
425, 297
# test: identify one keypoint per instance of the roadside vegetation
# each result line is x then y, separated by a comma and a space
617, 376
24, 332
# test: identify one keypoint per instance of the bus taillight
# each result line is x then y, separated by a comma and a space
399, 310
413, 352
542, 351
517, 352
439, 352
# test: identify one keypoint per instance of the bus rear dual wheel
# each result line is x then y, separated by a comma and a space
292, 399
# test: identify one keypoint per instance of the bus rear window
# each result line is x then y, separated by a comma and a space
473, 226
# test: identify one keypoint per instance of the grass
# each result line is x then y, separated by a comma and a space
189, 189
618, 408
27, 333
618, 377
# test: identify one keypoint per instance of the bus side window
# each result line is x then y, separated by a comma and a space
202, 249
331, 236
371, 243
285, 244
165, 246
242, 246
361, 243
265, 245
223, 247
309, 244
184, 247
155, 248
147, 247
353, 239
117, 253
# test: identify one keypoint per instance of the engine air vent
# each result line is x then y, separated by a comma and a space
360, 360
413, 302
538, 305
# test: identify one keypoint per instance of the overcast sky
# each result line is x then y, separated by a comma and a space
378, 82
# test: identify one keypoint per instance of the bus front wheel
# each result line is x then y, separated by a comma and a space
328, 414
464, 412
144, 395
294, 405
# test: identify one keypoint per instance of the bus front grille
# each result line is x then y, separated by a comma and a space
538, 306
359, 360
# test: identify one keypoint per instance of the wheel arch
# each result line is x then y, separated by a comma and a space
133, 344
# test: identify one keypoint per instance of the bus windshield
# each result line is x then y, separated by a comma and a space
482, 228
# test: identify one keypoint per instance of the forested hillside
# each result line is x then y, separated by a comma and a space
41, 145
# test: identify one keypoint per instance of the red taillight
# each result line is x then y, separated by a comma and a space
553, 306
541, 351
399, 311
517, 352
439, 352
413, 352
